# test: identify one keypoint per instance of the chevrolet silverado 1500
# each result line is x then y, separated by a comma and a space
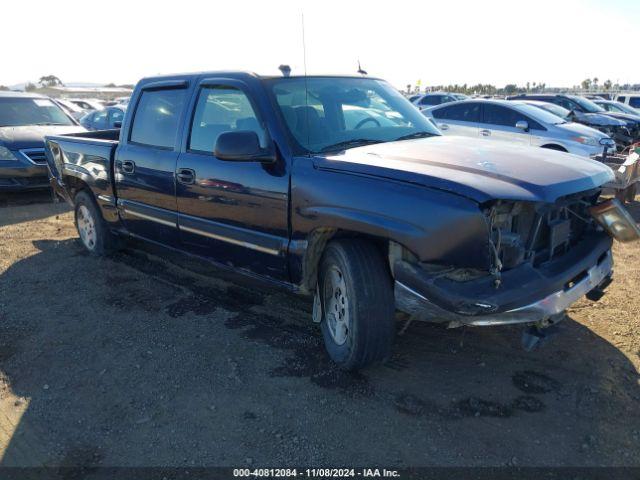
338, 188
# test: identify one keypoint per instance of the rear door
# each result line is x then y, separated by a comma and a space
146, 162
233, 212
499, 123
458, 118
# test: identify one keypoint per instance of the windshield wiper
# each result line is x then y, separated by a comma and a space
356, 142
46, 124
413, 135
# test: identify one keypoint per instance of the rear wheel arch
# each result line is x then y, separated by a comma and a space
76, 185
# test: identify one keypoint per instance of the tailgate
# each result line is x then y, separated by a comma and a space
83, 161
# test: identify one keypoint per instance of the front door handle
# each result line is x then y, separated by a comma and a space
444, 126
128, 167
186, 176
485, 133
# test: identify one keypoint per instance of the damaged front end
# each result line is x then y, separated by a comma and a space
541, 258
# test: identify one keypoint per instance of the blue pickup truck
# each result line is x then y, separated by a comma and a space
339, 189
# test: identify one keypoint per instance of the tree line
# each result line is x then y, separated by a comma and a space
588, 84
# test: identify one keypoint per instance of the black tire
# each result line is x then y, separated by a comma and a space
103, 242
369, 304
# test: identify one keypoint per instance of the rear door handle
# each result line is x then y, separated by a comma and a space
128, 167
485, 133
444, 126
186, 176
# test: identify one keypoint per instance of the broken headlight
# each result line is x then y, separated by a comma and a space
615, 219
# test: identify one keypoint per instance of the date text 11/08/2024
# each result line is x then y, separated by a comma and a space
316, 472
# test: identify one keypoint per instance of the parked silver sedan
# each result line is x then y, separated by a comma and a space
517, 122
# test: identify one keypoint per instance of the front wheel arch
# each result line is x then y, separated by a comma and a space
317, 242
556, 147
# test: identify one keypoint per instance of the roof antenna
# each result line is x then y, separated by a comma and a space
306, 85
360, 70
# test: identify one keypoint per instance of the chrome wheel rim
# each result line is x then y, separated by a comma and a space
86, 227
336, 306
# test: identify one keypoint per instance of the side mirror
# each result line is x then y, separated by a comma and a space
242, 146
522, 125
117, 124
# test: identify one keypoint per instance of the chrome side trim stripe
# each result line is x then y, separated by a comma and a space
251, 246
150, 218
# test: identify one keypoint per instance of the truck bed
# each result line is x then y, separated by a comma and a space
84, 159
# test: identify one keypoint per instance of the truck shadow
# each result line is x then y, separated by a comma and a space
136, 360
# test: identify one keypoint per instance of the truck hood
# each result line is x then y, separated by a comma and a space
32, 136
478, 169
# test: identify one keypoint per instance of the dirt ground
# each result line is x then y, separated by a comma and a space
146, 359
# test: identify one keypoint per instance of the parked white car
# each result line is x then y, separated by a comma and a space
517, 122
633, 100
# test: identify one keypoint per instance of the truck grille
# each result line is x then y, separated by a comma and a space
35, 155
537, 233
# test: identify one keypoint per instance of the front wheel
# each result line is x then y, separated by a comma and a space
357, 302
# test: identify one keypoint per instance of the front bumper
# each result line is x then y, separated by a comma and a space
528, 298
22, 174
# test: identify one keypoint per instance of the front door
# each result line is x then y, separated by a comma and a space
458, 118
146, 163
233, 212
499, 124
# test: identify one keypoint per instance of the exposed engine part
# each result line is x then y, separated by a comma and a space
535, 232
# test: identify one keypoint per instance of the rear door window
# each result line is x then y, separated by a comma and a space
461, 112
156, 119
634, 102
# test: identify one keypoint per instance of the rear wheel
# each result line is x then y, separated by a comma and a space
357, 300
94, 233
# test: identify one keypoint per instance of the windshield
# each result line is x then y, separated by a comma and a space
331, 114
16, 112
541, 115
587, 105
553, 108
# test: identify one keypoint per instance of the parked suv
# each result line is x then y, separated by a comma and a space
25, 118
365, 215
586, 111
633, 99
517, 122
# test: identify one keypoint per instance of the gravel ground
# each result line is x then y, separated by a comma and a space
139, 360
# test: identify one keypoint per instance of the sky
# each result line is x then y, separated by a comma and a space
557, 42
